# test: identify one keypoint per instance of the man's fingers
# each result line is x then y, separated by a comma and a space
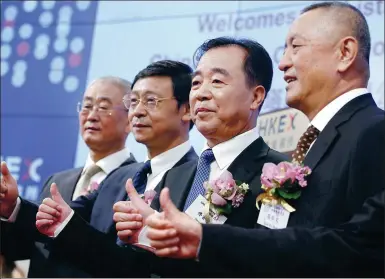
51, 203
124, 206
167, 252
132, 193
123, 217
157, 221
3, 187
56, 196
163, 234
124, 235
43, 223
170, 210
41, 216
49, 210
160, 244
4, 169
135, 225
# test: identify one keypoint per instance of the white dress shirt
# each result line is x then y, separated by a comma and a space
165, 161
330, 110
107, 164
226, 152
159, 165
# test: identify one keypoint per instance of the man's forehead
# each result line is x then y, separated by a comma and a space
103, 90
221, 60
158, 85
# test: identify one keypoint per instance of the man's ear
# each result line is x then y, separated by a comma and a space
259, 94
347, 53
185, 110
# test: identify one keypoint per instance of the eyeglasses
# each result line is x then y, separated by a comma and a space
151, 103
86, 108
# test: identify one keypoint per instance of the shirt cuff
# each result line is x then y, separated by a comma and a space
142, 237
14, 214
62, 225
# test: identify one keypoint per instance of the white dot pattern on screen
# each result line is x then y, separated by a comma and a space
29, 6
25, 31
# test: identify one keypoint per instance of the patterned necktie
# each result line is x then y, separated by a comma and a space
202, 175
304, 143
85, 180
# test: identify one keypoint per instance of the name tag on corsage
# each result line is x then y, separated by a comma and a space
281, 182
221, 196
197, 211
273, 216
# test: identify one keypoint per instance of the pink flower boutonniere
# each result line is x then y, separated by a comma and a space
223, 194
282, 181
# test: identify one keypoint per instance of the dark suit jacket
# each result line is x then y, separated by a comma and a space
25, 247
95, 208
104, 259
334, 232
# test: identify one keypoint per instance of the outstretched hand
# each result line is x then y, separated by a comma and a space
52, 212
172, 233
130, 215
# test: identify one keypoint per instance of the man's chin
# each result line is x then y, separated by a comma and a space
205, 128
292, 101
91, 140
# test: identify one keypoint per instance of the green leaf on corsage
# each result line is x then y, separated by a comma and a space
287, 195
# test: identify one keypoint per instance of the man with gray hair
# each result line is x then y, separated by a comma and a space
104, 127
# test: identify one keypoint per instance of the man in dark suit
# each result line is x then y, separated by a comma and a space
159, 116
229, 71
104, 132
338, 226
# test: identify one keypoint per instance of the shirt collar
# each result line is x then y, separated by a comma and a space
226, 152
326, 114
169, 158
111, 162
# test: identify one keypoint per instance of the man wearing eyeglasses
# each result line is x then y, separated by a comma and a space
104, 127
159, 116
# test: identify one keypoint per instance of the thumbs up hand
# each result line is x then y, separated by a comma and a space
129, 215
52, 212
172, 233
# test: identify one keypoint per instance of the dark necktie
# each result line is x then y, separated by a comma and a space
140, 178
140, 182
304, 143
202, 174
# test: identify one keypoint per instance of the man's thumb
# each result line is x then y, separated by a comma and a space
167, 205
4, 169
55, 193
132, 193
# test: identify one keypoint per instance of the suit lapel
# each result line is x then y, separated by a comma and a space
321, 145
190, 156
328, 136
68, 184
179, 188
249, 161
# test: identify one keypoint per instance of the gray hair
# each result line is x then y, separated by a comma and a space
124, 84
353, 19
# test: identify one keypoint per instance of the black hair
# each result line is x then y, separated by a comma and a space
179, 73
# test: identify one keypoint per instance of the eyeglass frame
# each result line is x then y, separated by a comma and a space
108, 111
157, 100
